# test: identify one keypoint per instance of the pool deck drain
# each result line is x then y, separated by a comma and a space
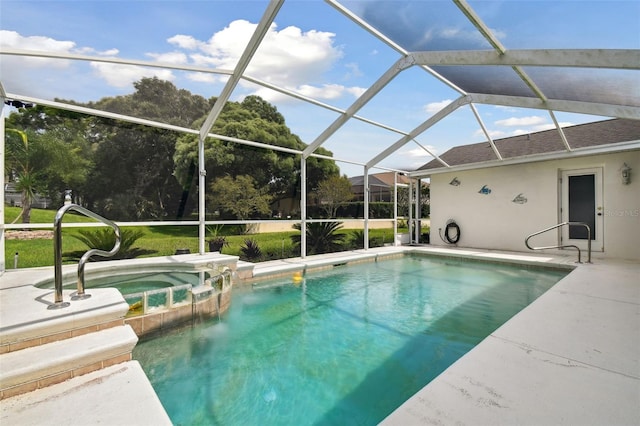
571, 357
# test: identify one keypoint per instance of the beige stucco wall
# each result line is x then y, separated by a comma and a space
495, 222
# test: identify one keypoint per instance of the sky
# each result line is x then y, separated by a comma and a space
312, 49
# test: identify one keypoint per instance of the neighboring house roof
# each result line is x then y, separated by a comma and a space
389, 179
373, 181
580, 136
379, 179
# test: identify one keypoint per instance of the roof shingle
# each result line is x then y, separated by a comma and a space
580, 136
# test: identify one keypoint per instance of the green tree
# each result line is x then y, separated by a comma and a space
134, 164
239, 197
332, 193
274, 172
51, 153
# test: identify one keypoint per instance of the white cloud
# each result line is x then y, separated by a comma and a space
289, 58
170, 57
494, 134
184, 42
419, 153
13, 40
434, 107
121, 76
355, 91
327, 91
92, 51
354, 70
522, 121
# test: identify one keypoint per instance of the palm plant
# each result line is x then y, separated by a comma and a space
250, 250
357, 239
105, 239
19, 157
322, 237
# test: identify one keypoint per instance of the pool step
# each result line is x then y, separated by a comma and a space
26, 322
40, 366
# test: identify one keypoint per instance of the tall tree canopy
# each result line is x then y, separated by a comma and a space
133, 172
273, 172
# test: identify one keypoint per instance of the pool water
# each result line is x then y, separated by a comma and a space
135, 283
344, 346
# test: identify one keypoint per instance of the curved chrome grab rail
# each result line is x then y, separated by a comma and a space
526, 241
57, 253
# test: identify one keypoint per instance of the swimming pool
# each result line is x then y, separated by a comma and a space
344, 346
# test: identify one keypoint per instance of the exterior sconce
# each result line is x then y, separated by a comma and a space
454, 182
625, 174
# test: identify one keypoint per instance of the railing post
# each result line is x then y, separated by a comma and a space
57, 254
57, 260
526, 241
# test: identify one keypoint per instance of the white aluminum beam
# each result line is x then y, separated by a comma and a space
462, 100
560, 131
386, 40
2, 164
157, 124
375, 88
259, 33
111, 60
573, 58
486, 132
145, 122
184, 67
592, 108
431, 153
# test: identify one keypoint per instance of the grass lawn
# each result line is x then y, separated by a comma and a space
162, 240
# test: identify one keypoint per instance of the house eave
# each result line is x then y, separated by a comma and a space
558, 155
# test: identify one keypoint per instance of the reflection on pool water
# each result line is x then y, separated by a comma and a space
344, 346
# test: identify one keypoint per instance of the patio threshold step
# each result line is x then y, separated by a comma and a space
117, 395
41, 366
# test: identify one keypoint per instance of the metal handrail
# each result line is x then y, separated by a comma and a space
57, 253
526, 241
